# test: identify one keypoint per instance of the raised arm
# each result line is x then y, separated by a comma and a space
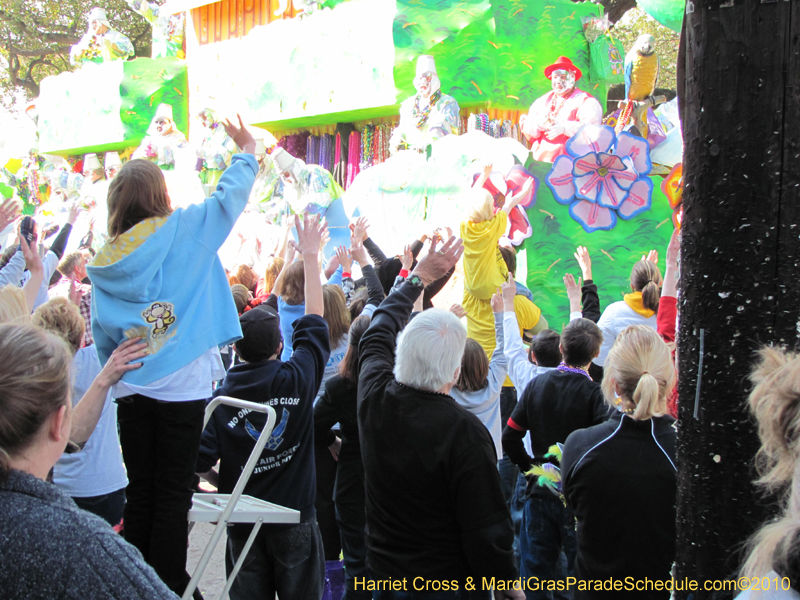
377, 346
309, 234
212, 221
374, 287
520, 370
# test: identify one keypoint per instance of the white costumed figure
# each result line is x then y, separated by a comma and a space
167, 147
557, 116
164, 144
427, 116
100, 43
94, 190
216, 149
295, 186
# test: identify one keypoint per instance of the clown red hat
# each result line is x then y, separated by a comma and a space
563, 63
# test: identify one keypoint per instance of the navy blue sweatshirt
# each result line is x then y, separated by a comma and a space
285, 474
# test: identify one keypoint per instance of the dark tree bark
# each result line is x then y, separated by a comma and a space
615, 8
740, 278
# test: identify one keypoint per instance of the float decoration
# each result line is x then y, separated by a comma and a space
602, 176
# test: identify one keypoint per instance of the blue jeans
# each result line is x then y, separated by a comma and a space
548, 527
289, 561
108, 506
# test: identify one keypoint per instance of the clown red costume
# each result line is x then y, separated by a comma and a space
557, 116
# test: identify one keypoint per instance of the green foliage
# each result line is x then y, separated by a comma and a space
37, 37
635, 23
556, 235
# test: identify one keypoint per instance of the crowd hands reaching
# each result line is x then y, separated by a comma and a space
399, 422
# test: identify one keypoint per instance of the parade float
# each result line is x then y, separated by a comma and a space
338, 86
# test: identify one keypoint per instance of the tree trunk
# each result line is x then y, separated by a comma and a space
740, 279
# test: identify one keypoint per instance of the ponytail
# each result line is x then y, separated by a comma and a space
651, 294
640, 366
646, 278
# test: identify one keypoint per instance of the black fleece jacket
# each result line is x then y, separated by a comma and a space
434, 505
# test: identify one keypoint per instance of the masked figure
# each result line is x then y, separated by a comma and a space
100, 43
557, 116
429, 115
169, 30
216, 149
164, 144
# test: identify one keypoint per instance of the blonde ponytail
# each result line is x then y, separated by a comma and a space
646, 397
639, 365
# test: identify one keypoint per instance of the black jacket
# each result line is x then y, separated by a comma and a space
285, 474
619, 479
337, 404
434, 505
553, 405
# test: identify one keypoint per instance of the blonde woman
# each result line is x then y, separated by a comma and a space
622, 472
774, 551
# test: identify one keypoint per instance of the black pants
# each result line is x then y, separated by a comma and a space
107, 506
326, 509
160, 441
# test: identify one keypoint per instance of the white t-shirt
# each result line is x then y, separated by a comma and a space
98, 468
192, 382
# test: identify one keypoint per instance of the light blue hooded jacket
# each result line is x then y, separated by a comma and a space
162, 280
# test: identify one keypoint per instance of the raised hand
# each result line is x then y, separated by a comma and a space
497, 301
584, 261
437, 262
240, 136
310, 233
573, 292
359, 229
458, 310
407, 259
73, 213
33, 262
75, 293
673, 249
652, 256
8, 212
344, 258
358, 253
509, 290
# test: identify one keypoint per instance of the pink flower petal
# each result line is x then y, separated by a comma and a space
637, 148
639, 199
560, 180
586, 164
612, 162
591, 138
592, 217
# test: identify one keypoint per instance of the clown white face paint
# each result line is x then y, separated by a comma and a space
163, 126
423, 84
98, 27
562, 81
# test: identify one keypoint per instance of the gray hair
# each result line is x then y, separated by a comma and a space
429, 350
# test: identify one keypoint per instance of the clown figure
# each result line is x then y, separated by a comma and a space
300, 187
169, 29
429, 115
216, 149
164, 144
100, 43
557, 116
